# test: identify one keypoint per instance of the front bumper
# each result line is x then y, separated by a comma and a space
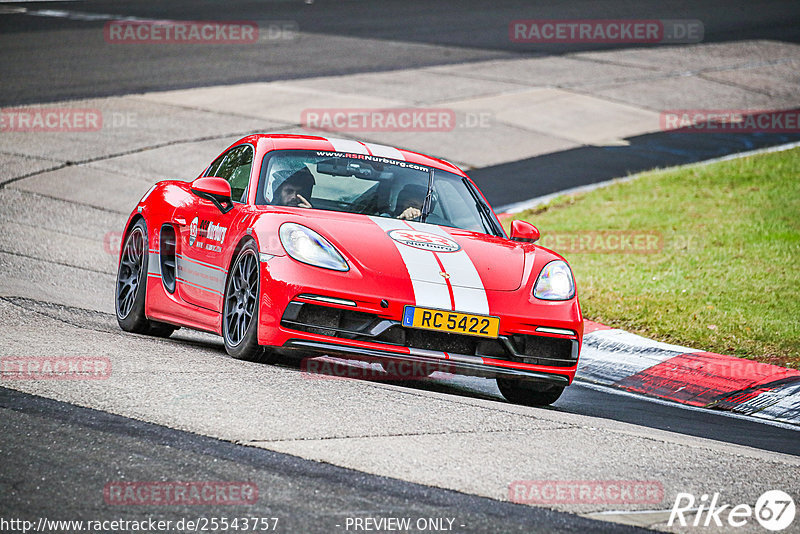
459, 364
364, 324
324, 329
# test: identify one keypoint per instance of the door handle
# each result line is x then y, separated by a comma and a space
180, 220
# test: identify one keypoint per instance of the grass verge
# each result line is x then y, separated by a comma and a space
712, 259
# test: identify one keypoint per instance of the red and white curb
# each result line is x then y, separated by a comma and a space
619, 359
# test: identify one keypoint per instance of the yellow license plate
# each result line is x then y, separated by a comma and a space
450, 321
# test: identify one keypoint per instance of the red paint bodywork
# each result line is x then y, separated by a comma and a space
508, 269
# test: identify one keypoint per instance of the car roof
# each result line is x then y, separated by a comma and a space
349, 146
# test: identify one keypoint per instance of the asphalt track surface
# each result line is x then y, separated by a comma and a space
48, 441
50, 58
585, 165
71, 452
52, 52
60, 456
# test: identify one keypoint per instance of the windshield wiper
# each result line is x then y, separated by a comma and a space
483, 209
426, 206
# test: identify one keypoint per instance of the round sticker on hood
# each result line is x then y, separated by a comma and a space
425, 240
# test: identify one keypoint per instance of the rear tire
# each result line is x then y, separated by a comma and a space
240, 308
528, 392
131, 286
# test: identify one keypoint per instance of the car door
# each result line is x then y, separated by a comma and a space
201, 272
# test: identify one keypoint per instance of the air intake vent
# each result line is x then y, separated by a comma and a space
167, 257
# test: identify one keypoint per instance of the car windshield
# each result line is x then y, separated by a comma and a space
373, 185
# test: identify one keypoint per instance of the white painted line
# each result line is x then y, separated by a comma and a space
635, 512
623, 340
79, 15
663, 402
517, 207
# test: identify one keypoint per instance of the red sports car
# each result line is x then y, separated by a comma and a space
316, 246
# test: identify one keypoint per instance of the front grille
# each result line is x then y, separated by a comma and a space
328, 321
541, 350
354, 325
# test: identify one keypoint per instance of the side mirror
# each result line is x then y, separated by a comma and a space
215, 189
524, 231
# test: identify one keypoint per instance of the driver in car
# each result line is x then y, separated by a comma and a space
409, 202
292, 188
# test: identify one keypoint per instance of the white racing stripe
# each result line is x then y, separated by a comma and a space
347, 145
431, 294
430, 289
469, 299
468, 291
385, 151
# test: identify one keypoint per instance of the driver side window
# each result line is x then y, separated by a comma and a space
234, 166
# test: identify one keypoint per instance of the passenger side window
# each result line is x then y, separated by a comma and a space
234, 166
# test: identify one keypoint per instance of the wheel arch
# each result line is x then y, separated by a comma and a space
247, 347
128, 227
246, 238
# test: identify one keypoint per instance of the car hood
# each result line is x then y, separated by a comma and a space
423, 252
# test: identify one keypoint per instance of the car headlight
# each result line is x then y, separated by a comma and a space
555, 282
307, 246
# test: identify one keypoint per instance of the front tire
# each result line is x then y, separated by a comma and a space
529, 393
240, 308
131, 287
